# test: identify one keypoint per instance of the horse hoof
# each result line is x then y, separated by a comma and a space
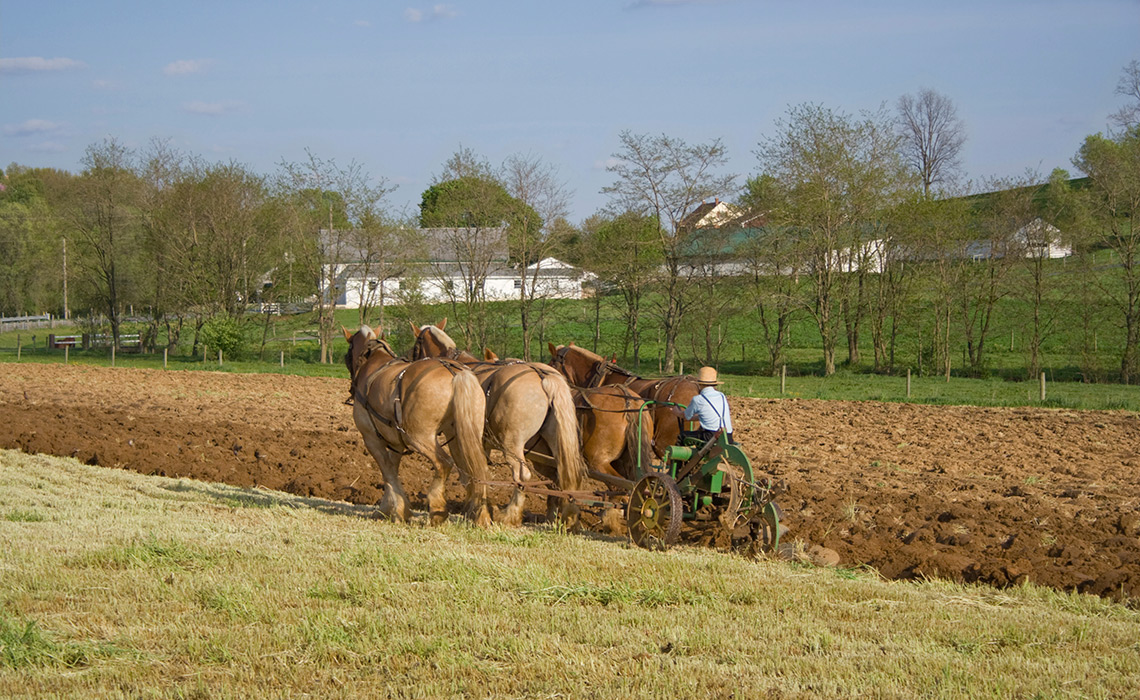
438, 518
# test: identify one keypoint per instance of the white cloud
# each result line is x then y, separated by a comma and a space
36, 64
31, 127
211, 109
607, 163
362, 23
105, 85
437, 12
186, 66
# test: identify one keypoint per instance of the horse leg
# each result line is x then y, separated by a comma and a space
558, 507
511, 515
394, 503
437, 499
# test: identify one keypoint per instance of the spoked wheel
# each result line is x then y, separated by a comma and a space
654, 512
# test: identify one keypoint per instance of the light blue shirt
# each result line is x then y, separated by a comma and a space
710, 407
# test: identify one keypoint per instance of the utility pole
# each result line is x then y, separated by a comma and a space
66, 312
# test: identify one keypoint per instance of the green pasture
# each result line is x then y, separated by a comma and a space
1080, 353
115, 584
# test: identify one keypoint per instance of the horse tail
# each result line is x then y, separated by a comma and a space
571, 466
639, 440
468, 405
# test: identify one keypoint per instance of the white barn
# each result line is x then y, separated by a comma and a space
442, 276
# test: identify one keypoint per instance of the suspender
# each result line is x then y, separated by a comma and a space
718, 413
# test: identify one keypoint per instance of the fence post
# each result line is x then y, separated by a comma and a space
66, 354
219, 357
1042, 386
17, 346
908, 382
783, 378
203, 352
282, 358
165, 351
112, 353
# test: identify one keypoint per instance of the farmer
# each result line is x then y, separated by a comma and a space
710, 407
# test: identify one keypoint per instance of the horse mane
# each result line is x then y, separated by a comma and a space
442, 338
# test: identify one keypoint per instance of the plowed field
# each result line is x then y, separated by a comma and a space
973, 494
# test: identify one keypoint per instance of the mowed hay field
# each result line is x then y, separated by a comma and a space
115, 584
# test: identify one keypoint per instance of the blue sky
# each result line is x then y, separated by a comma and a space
400, 86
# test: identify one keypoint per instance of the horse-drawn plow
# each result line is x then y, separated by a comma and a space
708, 489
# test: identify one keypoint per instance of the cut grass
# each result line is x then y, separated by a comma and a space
161, 584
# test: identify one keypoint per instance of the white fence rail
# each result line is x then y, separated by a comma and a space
26, 323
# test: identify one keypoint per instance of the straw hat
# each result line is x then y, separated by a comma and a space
707, 376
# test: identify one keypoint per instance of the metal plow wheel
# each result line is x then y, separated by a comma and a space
654, 512
749, 522
760, 533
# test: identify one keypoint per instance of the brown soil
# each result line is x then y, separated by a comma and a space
974, 494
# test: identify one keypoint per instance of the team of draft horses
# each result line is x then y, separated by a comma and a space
579, 416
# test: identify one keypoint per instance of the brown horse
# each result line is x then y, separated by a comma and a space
401, 407
529, 411
617, 432
616, 429
586, 369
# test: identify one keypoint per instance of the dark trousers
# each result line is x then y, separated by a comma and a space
703, 435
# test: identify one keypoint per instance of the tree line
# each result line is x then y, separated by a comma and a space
861, 224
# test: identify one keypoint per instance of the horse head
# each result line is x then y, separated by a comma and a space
432, 341
577, 364
361, 345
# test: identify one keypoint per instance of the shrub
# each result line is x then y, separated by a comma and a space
224, 333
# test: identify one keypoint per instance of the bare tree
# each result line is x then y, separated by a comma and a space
1128, 116
666, 178
538, 193
1000, 220
329, 202
933, 136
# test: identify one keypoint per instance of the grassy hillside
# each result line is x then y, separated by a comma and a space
114, 584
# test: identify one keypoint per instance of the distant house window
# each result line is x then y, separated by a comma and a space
518, 284
372, 284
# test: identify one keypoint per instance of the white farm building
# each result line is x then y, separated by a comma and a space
459, 264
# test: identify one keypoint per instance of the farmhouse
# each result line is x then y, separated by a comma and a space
724, 242
1038, 239
451, 263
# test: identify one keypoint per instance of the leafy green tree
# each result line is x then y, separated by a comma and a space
1113, 200
840, 175
479, 224
665, 179
624, 252
103, 216
31, 245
